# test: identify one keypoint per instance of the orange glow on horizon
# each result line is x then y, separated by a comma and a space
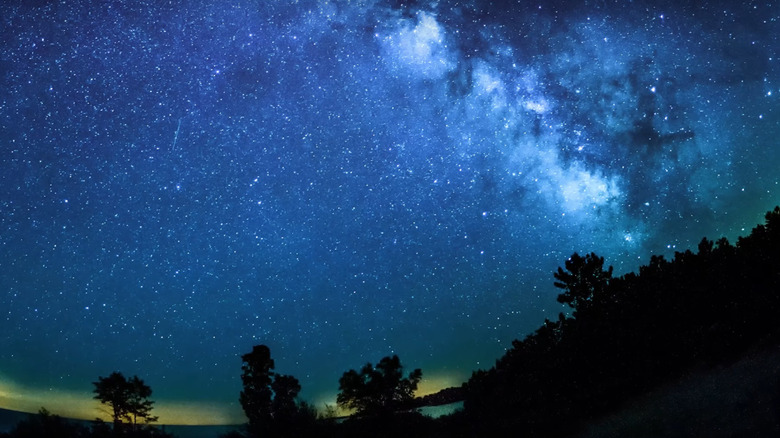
428, 385
437, 382
81, 404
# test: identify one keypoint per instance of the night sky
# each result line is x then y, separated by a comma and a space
347, 180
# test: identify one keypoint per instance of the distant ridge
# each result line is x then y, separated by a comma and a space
444, 397
9, 419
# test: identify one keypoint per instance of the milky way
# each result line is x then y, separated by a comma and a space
347, 180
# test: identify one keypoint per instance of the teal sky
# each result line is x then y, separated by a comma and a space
347, 180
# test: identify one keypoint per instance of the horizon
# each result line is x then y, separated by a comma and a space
343, 181
81, 405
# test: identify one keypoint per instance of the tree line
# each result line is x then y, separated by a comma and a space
622, 337
127, 402
627, 335
269, 399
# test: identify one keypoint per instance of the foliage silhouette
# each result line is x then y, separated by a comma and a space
47, 425
270, 400
626, 336
378, 390
128, 399
585, 282
256, 378
631, 333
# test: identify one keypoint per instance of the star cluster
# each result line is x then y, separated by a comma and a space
345, 180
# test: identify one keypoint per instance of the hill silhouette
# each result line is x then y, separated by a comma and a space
701, 325
632, 333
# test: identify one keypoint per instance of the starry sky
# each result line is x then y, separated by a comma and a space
345, 180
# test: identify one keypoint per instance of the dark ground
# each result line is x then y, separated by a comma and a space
741, 399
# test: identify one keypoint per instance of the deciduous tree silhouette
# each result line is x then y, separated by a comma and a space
286, 389
257, 394
378, 390
270, 400
128, 399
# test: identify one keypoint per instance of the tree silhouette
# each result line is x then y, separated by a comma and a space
140, 405
378, 390
127, 399
257, 378
269, 399
286, 389
632, 333
585, 281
